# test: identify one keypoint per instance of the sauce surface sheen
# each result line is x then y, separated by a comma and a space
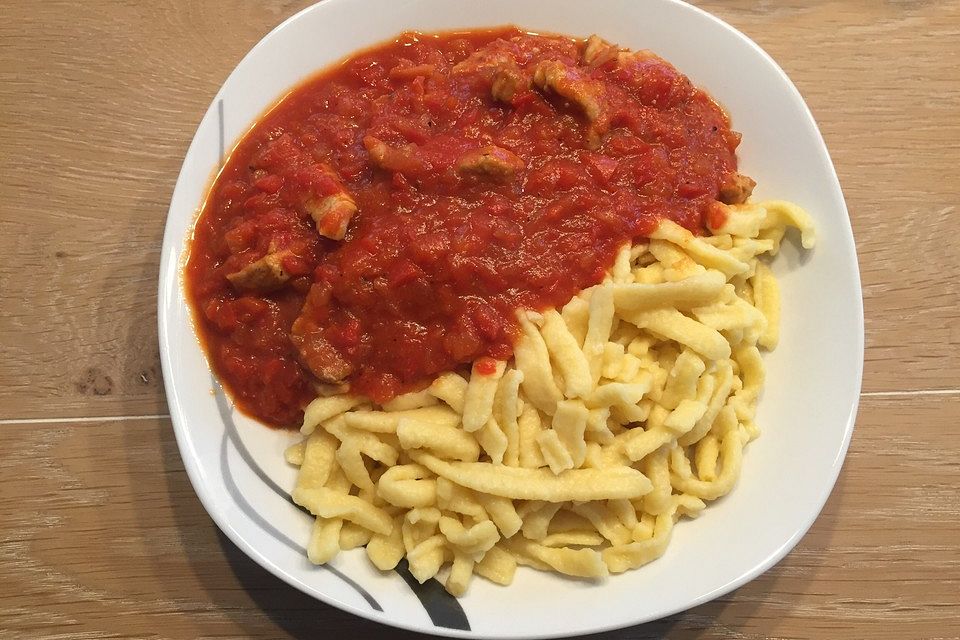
445, 244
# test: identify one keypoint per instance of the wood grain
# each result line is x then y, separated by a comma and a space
100, 532
881, 79
99, 104
103, 536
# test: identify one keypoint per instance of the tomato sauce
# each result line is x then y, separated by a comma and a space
445, 244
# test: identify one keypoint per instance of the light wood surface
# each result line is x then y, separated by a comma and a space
101, 534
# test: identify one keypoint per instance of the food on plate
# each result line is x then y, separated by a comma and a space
511, 288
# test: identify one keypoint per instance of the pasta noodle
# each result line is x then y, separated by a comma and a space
619, 415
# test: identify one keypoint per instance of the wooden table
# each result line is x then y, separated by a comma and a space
101, 534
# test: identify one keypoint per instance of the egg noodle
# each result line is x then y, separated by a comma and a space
620, 413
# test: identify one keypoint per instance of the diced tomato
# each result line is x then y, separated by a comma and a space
271, 183
716, 215
402, 272
601, 167
485, 366
345, 335
487, 321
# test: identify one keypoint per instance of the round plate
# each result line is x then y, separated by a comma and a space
813, 382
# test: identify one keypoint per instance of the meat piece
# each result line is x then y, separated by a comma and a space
332, 214
624, 56
499, 68
736, 188
411, 72
321, 357
484, 62
570, 84
490, 162
319, 192
597, 51
266, 274
329, 204
316, 352
507, 81
403, 160
592, 47
587, 94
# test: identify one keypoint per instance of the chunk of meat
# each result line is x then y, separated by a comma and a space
318, 190
499, 68
332, 214
403, 160
597, 52
624, 56
266, 274
484, 62
570, 84
316, 352
490, 162
507, 81
410, 72
321, 357
736, 188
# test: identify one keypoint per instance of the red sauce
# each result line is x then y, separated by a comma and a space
436, 261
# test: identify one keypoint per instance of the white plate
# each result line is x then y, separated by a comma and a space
807, 412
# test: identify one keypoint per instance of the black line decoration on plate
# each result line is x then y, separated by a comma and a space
230, 433
444, 610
